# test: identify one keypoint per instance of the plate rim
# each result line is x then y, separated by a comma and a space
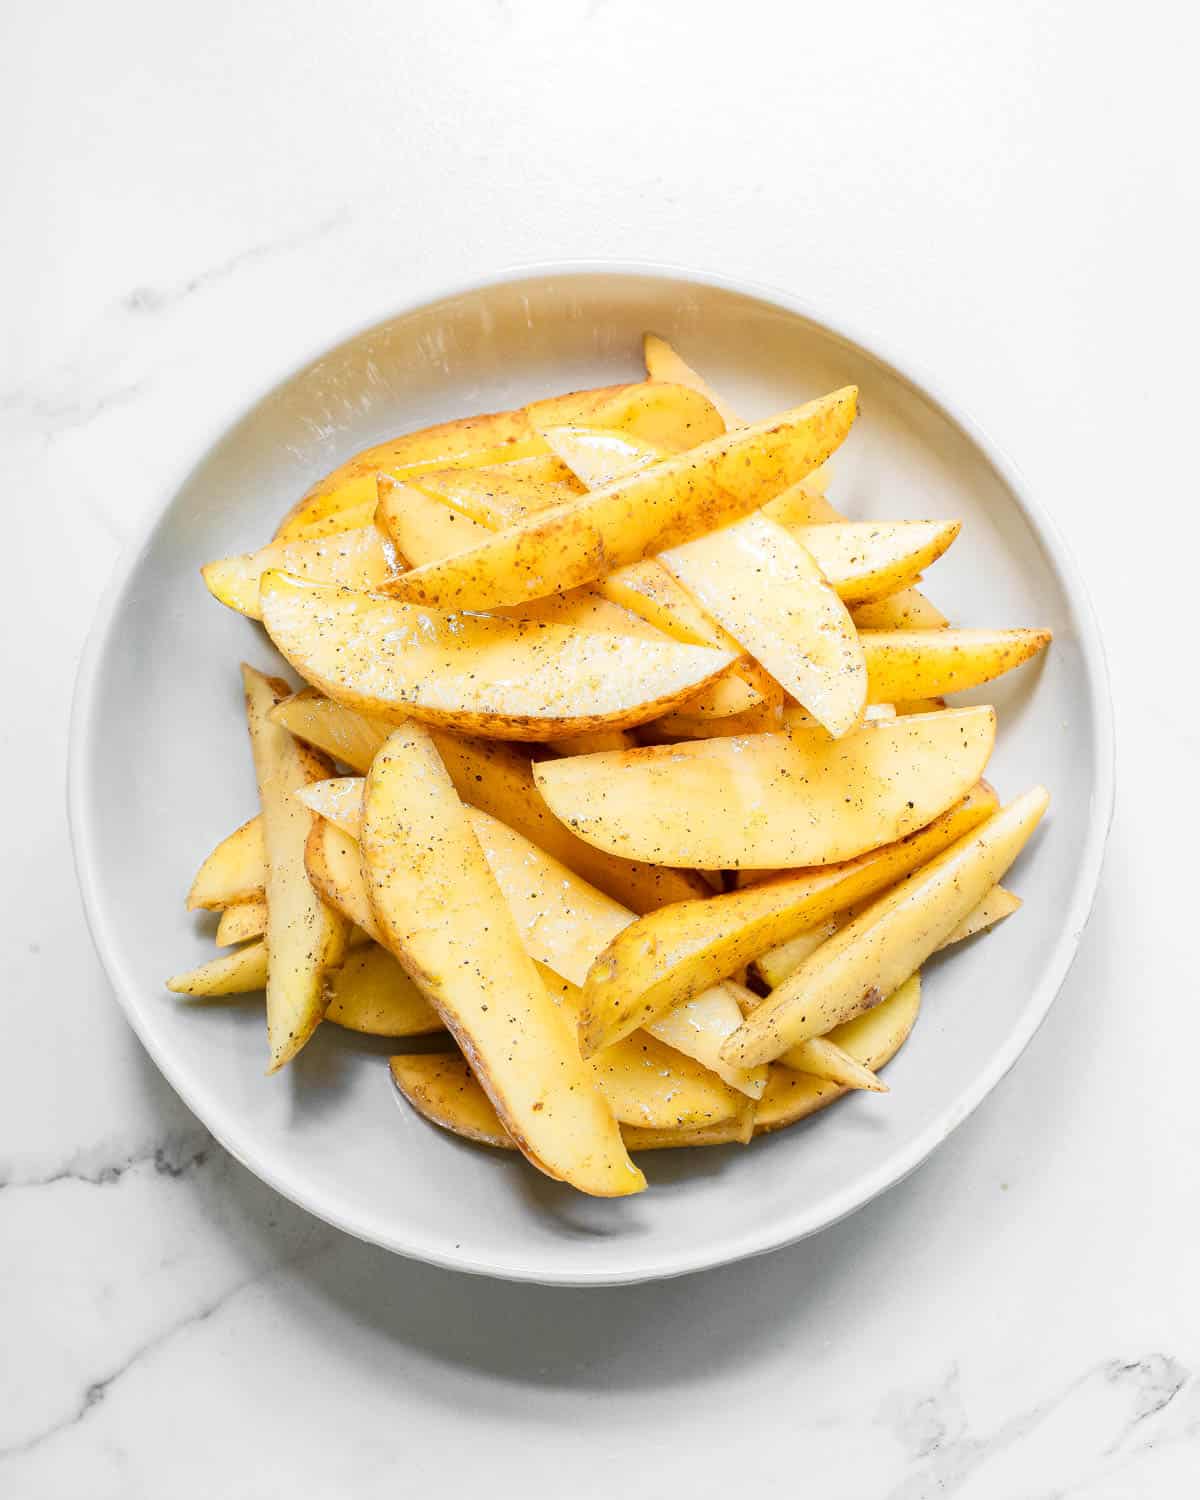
869, 1185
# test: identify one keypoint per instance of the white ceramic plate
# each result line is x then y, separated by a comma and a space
160, 770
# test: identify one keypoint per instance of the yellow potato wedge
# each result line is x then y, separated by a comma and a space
821, 1058
306, 939
372, 994
364, 558
872, 559
916, 706
426, 529
650, 1085
908, 609
765, 718
872, 1039
663, 363
564, 922
441, 1087
502, 494
768, 593
622, 523
242, 921
870, 957
772, 800
781, 962
915, 664
233, 872
593, 744
803, 505
643, 599
237, 973
498, 779
333, 863
664, 958
675, 416
441, 910
505, 678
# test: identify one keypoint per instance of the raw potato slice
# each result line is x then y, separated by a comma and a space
781, 962
640, 600
766, 718
593, 744
237, 973
438, 905
441, 1087
665, 505
659, 961
372, 994
772, 800
869, 957
563, 921
766, 590
333, 861
497, 778
233, 872
906, 610
871, 559
305, 938
502, 494
426, 530
506, 678
872, 1039
242, 921
662, 363
915, 664
363, 558
821, 1058
671, 415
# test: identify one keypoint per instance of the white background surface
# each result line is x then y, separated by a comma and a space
199, 197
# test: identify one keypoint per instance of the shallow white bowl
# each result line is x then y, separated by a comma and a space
160, 770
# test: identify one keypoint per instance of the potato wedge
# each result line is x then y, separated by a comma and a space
233, 872
364, 558
643, 599
333, 863
765, 718
237, 973
772, 800
872, 559
768, 593
497, 778
242, 921
660, 961
872, 1039
675, 416
439, 906
506, 678
782, 961
594, 743
564, 922
372, 994
663, 363
622, 523
441, 1087
908, 609
915, 664
426, 530
305, 938
870, 957
502, 494
821, 1058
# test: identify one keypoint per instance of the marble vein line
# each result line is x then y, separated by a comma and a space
174, 1157
70, 409
97, 1390
936, 1427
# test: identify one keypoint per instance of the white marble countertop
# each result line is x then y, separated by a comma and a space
199, 197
